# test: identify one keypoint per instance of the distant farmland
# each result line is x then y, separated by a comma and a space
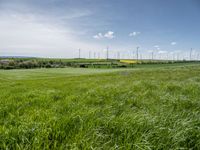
29, 63
153, 106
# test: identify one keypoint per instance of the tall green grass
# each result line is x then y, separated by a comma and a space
154, 108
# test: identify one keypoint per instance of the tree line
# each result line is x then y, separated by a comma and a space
35, 63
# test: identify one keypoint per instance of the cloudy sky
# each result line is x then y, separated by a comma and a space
58, 28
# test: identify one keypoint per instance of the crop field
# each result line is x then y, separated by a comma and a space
146, 107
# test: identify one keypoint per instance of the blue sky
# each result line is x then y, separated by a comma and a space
58, 28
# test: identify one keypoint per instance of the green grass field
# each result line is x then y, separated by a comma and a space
146, 107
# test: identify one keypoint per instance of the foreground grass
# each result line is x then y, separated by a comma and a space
154, 108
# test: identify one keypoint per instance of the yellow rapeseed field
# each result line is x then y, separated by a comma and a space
128, 61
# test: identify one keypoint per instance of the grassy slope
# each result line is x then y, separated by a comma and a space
145, 108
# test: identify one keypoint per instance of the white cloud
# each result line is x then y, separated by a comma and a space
98, 36
134, 33
23, 34
108, 35
28, 29
173, 43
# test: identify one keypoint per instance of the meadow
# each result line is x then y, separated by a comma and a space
146, 107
